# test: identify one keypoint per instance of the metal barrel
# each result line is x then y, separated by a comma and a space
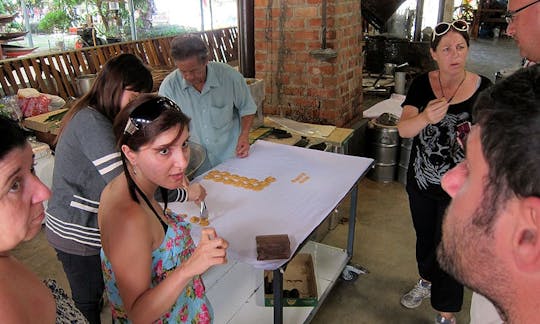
383, 142
404, 157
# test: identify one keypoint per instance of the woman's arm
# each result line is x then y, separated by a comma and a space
152, 303
412, 122
190, 192
128, 245
95, 139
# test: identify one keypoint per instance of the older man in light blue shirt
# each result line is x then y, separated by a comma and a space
215, 96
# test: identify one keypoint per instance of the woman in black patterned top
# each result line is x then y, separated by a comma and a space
436, 103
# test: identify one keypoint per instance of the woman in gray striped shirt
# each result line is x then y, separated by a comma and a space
86, 159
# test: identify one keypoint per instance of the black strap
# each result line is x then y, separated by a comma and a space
165, 226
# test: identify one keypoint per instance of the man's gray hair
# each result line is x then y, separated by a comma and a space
187, 46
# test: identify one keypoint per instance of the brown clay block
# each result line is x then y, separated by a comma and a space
272, 247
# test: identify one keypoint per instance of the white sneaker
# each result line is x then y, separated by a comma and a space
414, 297
443, 320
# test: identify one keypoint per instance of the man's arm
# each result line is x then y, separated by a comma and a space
247, 109
242, 148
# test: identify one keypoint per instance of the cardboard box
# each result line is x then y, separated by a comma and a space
39, 123
299, 275
256, 88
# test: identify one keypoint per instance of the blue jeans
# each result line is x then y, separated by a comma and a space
86, 282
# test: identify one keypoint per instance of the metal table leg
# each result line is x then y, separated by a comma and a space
351, 271
277, 284
352, 220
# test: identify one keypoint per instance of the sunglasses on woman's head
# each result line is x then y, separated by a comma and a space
147, 113
443, 27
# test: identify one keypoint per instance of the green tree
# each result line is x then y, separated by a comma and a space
56, 19
9, 6
114, 22
61, 16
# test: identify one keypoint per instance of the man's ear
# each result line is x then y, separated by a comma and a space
526, 238
129, 154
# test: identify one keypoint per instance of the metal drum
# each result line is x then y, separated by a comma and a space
383, 145
404, 157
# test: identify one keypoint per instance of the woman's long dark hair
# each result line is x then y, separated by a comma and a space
120, 72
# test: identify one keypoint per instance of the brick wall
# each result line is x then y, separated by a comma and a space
298, 85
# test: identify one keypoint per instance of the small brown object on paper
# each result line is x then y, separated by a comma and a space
273, 247
204, 222
306, 178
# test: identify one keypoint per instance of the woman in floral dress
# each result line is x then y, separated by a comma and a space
150, 263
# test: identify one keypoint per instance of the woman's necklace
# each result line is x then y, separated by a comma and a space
459, 86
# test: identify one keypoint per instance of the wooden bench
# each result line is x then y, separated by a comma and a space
55, 73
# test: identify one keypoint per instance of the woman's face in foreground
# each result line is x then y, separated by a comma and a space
164, 160
21, 198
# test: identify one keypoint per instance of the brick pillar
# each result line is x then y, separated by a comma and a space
298, 85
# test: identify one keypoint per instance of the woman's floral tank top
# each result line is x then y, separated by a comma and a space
192, 306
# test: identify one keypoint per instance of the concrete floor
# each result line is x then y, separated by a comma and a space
487, 56
385, 246
384, 242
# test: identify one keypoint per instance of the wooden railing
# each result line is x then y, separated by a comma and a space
55, 73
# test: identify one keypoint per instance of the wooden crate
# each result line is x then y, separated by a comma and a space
39, 123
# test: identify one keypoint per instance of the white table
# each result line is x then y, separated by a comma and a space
284, 207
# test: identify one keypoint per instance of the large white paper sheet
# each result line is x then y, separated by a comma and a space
306, 129
391, 105
283, 207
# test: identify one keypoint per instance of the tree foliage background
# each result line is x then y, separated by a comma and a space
62, 14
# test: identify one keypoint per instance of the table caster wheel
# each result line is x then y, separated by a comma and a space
348, 275
351, 273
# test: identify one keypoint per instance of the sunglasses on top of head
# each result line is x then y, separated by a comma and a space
147, 113
443, 27
509, 15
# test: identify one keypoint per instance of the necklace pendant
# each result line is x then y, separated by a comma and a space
457, 89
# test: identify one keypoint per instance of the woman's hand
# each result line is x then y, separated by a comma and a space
212, 250
196, 192
435, 110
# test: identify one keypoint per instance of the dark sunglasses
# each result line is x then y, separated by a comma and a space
147, 112
509, 15
443, 27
